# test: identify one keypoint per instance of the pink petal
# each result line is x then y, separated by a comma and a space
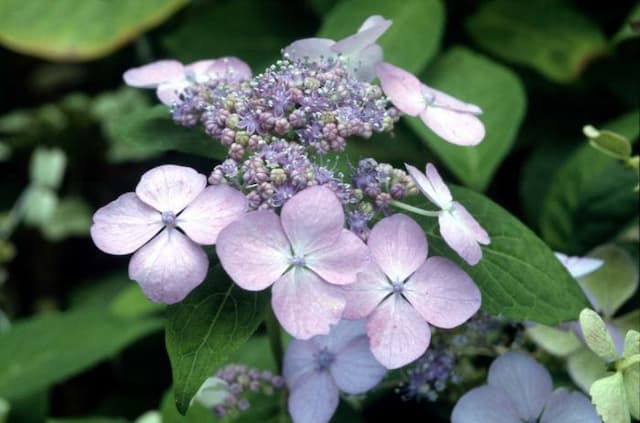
398, 335
313, 219
368, 34
314, 399
305, 305
339, 263
197, 71
486, 404
442, 293
169, 267
579, 266
229, 69
526, 382
254, 250
569, 407
214, 209
431, 185
452, 126
402, 88
312, 49
124, 225
446, 101
355, 369
299, 362
398, 245
463, 233
169, 92
364, 295
154, 74
170, 188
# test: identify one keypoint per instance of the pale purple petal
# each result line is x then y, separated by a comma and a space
312, 49
355, 370
373, 21
569, 407
214, 209
369, 32
485, 404
445, 101
442, 293
454, 127
299, 361
229, 69
440, 189
169, 267
314, 399
124, 225
339, 263
363, 64
399, 246
402, 88
313, 219
463, 233
579, 266
305, 305
197, 71
170, 188
397, 334
431, 185
169, 92
364, 295
341, 335
527, 383
154, 74
254, 250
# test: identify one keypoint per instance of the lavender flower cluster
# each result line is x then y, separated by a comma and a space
430, 375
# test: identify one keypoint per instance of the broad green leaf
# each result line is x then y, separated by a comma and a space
78, 30
47, 167
585, 367
547, 35
608, 395
626, 32
596, 335
71, 217
555, 341
608, 142
44, 350
4, 410
591, 197
131, 302
613, 283
498, 91
206, 328
631, 374
154, 130
519, 276
413, 39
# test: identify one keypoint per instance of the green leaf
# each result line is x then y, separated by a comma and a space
72, 30
608, 395
555, 341
88, 420
4, 410
631, 374
626, 32
45, 350
629, 321
476, 79
631, 343
39, 205
131, 302
591, 197
519, 276
549, 36
71, 217
153, 129
47, 167
608, 142
585, 367
613, 283
596, 335
413, 39
206, 328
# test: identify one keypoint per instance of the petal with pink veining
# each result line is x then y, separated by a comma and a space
459, 237
170, 187
154, 74
254, 250
454, 127
402, 88
214, 209
446, 101
339, 263
398, 335
124, 225
305, 305
440, 189
435, 194
169, 267
355, 369
443, 294
314, 399
366, 293
398, 245
313, 220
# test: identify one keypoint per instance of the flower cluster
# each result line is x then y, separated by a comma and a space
430, 375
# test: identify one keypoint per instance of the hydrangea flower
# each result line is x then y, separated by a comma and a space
579, 266
402, 291
170, 77
305, 254
458, 228
359, 51
317, 369
520, 390
169, 215
453, 120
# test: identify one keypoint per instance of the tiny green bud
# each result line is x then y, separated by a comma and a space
232, 121
47, 167
278, 176
7, 251
312, 83
242, 138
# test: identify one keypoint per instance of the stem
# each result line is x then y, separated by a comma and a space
275, 339
415, 210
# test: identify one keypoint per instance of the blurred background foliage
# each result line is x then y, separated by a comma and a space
78, 339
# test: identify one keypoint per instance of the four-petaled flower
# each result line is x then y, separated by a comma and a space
305, 254
169, 214
170, 77
520, 390
402, 291
316, 369
453, 120
458, 228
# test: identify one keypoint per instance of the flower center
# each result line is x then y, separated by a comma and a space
397, 287
169, 219
297, 261
323, 359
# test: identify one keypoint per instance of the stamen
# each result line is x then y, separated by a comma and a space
169, 218
323, 359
